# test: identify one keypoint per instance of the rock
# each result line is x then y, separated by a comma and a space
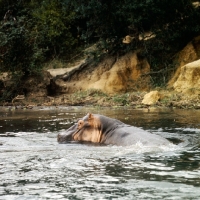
189, 78
4, 76
6, 79
146, 35
151, 98
112, 75
143, 36
62, 71
127, 39
196, 4
59, 71
189, 54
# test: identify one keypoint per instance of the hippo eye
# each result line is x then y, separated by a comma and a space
80, 123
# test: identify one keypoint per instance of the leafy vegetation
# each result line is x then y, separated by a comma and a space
33, 32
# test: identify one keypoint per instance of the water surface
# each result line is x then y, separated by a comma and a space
34, 166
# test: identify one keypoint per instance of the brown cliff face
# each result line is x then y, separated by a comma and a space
112, 75
128, 73
189, 78
189, 54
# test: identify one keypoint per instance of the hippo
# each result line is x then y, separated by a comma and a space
100, 129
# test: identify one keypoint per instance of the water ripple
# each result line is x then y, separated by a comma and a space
34, 166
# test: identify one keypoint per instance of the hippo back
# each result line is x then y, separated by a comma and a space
125, 135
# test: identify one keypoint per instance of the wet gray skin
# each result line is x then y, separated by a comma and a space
66, 137
104, 130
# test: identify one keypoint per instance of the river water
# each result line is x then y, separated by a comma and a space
34, 166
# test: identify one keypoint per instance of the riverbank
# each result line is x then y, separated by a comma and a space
167, 98
113, 81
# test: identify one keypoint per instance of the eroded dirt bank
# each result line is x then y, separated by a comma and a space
115, 81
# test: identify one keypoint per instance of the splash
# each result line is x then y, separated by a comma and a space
140, 148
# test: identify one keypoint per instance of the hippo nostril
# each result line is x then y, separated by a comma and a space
64, 138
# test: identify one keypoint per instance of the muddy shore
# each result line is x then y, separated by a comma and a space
168, 99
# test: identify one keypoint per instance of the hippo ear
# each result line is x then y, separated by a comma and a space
90, 116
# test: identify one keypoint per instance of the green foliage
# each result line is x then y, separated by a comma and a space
121, 100
33, 31
13, 88
52, 26
18, 51
174, 23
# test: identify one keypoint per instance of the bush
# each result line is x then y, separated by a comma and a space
33, 31
18, 50
53, 27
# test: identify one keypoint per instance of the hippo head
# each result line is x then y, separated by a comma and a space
97, 128
86, 129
